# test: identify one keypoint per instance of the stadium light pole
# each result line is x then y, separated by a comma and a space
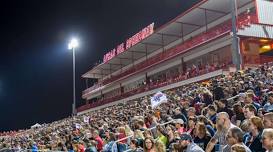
236, 56
72, 46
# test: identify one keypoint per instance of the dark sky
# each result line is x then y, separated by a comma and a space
35, 65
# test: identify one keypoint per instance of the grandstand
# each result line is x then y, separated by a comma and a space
209, 107
192, 47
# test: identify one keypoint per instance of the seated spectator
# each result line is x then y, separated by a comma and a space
208, 123
138, 135
218, 92
149, 145
134, 146
238, 148
267, 139
160, 136
91, 146
186, 144
191, 125
222, 107
253, 141
179, 125
207, 97
160, 147
147, 133
249, 111
191, 112
179, 115
111, 145
269, 105
223, 124
98, 140
238, 116
121, 134
202, 136
170, 135
268, 120
235, 136
249, 100
212, 113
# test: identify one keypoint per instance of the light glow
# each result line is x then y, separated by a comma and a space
73, 44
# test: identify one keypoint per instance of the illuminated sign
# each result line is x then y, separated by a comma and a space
147, 31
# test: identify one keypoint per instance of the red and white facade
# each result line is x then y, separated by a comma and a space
194, 46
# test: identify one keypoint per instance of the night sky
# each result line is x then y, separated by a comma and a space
35, 64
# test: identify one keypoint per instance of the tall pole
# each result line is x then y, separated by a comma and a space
236, 56
74, 85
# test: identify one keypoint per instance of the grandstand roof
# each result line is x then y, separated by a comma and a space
200, 15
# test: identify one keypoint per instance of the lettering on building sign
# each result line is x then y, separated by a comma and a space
147, 31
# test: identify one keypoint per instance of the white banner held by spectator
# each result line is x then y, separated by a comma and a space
86, 119
78, 126
158, 98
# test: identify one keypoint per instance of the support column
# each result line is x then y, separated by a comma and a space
110, 70
86, 83
236, 56
182, 33
162, 41
206, 20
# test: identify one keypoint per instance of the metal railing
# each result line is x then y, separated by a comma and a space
152, 86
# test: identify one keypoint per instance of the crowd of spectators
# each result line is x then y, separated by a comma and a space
229, 113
